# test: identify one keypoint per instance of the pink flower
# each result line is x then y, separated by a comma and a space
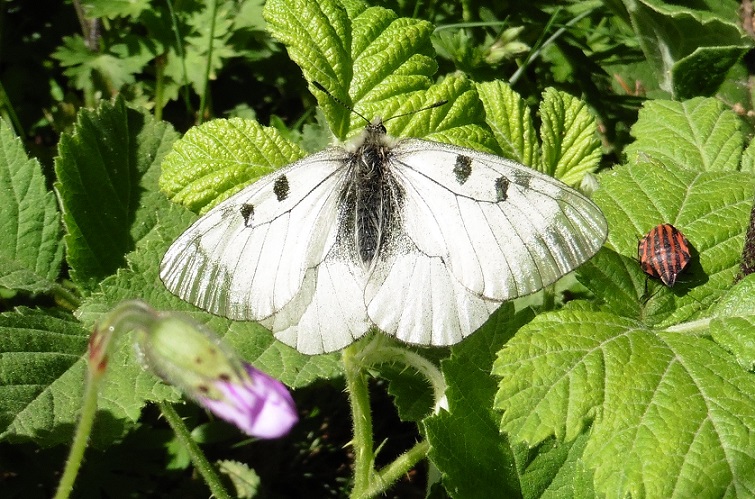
260, 405
189, 356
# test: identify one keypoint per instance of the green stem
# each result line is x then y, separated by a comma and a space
364, 457
180, 55
69, 299
367, 481
391, 354
160, 85
198, 458
390, 474
208, 68
83, 430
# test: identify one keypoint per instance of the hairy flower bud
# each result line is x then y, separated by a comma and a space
186, 354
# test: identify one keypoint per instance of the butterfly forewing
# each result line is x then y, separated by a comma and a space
663, 253
247, 257
503, 229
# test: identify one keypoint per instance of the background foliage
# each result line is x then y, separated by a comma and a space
632, 388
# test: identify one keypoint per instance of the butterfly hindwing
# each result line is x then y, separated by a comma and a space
437, 309
329, 315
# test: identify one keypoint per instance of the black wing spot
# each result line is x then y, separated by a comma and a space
247, 211
501, 189
280, 188
462, 168
522, 179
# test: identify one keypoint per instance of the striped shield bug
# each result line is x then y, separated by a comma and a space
663, 253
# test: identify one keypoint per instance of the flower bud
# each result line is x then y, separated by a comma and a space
186, 354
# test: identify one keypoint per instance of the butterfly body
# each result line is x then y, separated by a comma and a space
372, 198
420, 239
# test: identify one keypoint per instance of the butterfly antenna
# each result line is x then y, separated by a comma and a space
339, 101
431, 106
346, 106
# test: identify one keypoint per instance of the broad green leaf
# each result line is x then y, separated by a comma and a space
570, 147
37, 350
556, 470
683, 427
699, 134
703, 71
614, 279
642, 373
466, 446
31, 246
733, 324
219, 158
457, 122
409, 389
688, 66
366, 57
43, 382
670, 411
107, 172
113, 9
508, 116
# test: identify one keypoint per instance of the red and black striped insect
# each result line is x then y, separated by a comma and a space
663, 253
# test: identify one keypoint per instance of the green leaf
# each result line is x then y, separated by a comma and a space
688, 66
748, 159
640, 378
457, 122
711, 208
31, 248
508, 116
107, 173
683, 427
670, 411
116, 68
37, 351
571, 147
113, 9
245, 480
614, 278
364, 56
221, 157
199, 46
733, 325
474, 459
556, 469
706, 136
43, 382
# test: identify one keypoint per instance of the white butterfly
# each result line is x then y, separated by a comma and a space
420, 239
